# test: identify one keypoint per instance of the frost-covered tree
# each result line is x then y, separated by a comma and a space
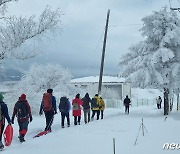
155, 62
16, 31
38, 79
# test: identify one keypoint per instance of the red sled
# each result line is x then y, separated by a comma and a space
42, 133
8, 135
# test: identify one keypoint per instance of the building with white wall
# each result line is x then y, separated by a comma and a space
110, 83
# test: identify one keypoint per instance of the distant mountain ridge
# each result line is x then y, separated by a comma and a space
10, 75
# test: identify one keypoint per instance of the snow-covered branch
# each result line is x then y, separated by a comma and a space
17, 30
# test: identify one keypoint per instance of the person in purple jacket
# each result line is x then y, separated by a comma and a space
4, 114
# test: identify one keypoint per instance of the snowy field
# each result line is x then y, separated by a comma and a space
96, 137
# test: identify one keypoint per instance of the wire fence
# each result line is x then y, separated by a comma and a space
115, 103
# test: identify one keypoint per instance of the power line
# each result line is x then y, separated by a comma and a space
126, 25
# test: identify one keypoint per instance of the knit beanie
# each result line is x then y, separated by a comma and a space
23, 96
50, 91
1, 97
78, 95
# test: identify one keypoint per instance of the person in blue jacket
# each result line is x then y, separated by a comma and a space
64, 108
49, 114
3, 114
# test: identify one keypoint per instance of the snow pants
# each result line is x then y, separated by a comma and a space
49, 115
126, 109
77, 119
86, 115
63, 115
23, 127
1, 129
95, 112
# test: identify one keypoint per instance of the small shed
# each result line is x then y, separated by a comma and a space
114, 84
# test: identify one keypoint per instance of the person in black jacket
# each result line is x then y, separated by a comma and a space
127, 102
86, 107
4, 114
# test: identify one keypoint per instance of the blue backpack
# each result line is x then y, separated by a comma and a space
63, 106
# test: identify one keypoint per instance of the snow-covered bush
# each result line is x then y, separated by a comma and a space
38, 79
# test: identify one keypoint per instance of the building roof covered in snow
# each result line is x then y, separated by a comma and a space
95, 79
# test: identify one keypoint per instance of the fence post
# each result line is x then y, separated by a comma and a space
114, 146
142, 101
137, 102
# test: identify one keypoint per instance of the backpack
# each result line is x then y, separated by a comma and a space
63, 106
21, 110
75, 106
86, 103
47, 102
94, 103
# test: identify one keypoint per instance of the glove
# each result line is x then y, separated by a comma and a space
31, 118
40, 113
12, 120
9, 123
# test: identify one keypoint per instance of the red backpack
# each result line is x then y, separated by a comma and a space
47, 102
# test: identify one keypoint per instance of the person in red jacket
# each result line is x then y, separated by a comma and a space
22, 110
76, 109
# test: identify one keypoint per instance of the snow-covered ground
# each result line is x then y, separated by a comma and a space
96, 137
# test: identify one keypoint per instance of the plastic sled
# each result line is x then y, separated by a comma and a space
8, 135
42, 133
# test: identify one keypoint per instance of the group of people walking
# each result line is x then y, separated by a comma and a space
96, 104
22, 111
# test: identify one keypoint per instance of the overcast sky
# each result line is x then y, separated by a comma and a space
79, 46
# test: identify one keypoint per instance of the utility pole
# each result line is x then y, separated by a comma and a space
103, 53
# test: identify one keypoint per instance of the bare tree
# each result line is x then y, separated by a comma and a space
15, 31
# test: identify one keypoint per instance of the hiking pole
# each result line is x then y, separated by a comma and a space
114, 148
137, 135
143, 127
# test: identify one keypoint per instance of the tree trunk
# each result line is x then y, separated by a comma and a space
166, 101
177, 101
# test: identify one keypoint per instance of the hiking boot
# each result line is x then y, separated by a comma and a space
62, 126
21, 138
1, 146
68, 125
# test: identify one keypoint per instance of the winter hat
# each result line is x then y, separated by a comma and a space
50, 91
23, 96
78, 95
87, 95
1, 97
